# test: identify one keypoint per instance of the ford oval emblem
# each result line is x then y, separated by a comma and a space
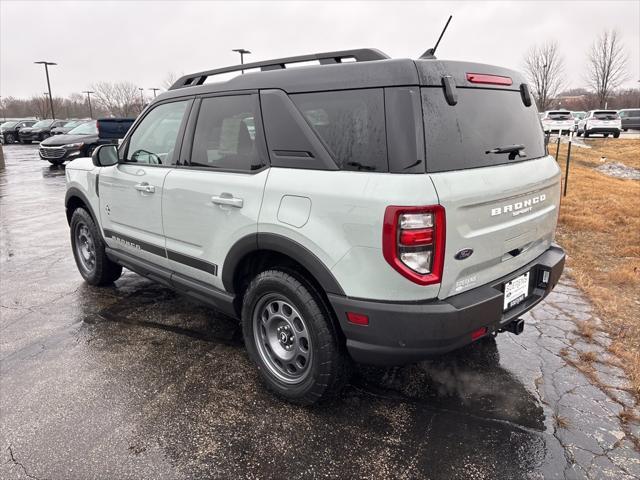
464, 253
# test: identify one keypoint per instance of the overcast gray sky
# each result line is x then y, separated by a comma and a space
143, 41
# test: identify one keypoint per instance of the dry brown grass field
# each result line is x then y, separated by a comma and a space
600, 230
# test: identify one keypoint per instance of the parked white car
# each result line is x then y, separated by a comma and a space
558, 120
603, 122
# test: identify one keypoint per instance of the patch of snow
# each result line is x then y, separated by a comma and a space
619, 170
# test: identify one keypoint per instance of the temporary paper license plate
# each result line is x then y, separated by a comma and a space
516, 291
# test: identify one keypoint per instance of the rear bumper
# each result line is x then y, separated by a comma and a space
603, 130
400, 333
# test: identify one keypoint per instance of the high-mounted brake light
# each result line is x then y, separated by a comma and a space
488, 79
413, 242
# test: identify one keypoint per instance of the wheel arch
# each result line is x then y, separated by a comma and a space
258, 245
73, 199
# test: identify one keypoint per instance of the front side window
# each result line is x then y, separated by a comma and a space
225, 136
154, 140
351, 124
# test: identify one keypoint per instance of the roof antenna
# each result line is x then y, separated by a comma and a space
431, 53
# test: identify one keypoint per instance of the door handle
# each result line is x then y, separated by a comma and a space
227, 199
145, 187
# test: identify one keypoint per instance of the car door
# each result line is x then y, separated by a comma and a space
214, 199
131, 192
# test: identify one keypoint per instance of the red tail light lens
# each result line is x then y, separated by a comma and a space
413, 242
488, 79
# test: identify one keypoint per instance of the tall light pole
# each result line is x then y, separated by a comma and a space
242, 53
46, 70
154, 91
141, 98
89, 92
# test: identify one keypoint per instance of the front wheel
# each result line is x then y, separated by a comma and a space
586, 134
88, 251
43, 136
290, 336
10, 138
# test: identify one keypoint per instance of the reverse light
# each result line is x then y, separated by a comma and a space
488, 79
413, 242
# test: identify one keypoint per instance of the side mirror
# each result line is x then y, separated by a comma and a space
105, 155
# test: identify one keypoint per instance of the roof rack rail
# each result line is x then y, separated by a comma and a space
359, 55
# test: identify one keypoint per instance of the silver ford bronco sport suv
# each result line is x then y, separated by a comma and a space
363, 209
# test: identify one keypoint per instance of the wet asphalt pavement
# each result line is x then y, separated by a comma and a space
135, 381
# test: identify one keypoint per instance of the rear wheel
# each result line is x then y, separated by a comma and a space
586, 134
10, 138
290, 336
606, 135
88, 251
616, 135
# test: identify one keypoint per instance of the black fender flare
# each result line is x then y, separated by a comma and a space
285, 246
75, 192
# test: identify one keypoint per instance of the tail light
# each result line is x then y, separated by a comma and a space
413, 242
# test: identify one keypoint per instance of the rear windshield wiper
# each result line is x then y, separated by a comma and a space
512, 150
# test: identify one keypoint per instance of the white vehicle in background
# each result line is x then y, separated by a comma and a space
603, 122
558, 120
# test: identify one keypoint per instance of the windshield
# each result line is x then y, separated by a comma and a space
560, 116
8, 124
88, 128
43, 124
606, 115
73, 123
579, 115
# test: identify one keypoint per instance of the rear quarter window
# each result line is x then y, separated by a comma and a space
351, 125
459, 136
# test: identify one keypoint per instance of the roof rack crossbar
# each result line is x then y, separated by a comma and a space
327, 58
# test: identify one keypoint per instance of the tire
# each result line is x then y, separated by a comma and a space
43, 136
586, 134
616, 135
89, 150
606, 135
56, 162
88, 251
625, 129
290, 336
9, 138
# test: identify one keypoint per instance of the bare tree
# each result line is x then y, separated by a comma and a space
120, 99
606, 65
170, 79
544, 67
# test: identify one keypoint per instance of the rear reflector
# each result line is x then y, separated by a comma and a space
357, 318
488, 79
481, 332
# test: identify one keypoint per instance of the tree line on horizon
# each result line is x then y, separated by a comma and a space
544, 66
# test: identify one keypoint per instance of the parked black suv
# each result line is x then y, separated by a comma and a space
39, 131
82, 140
10, 130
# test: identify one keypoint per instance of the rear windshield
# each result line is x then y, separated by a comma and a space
560, 116
606, 115
88, 128
459, 136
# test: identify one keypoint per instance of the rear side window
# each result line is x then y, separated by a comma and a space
463, 135
225, 135
351, 124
